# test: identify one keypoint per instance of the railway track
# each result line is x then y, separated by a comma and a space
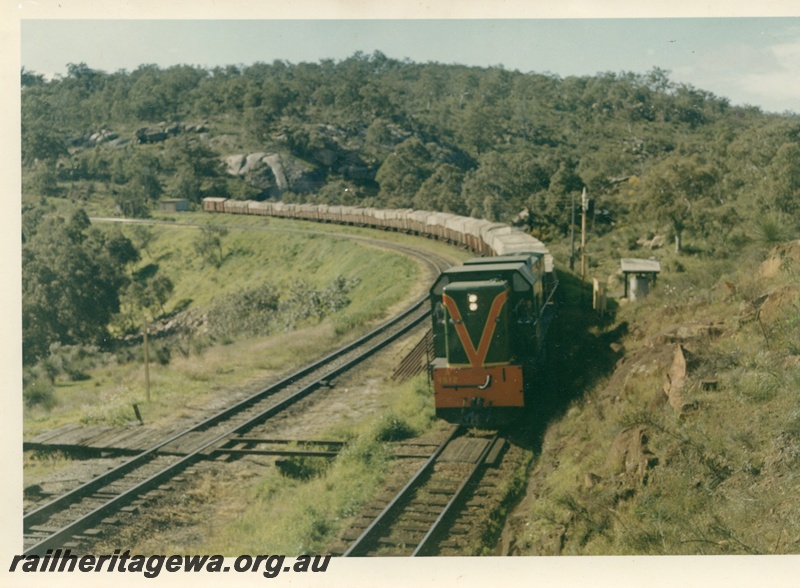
416, 521
70, 519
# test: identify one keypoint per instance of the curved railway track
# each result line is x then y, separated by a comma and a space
68, 519
416, 520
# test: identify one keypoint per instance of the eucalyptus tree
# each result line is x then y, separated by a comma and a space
678, 188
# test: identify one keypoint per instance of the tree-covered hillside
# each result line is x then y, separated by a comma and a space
481, 141
668, 426
655, 156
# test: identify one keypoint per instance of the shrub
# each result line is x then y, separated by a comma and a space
39, 392
394, 428
757, 387
302, 468
163, 354
771, 229
114, 413
247, 312
73, 360
260, 310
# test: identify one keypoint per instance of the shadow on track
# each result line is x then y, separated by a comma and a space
578, 354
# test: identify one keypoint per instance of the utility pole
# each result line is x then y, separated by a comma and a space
146, 361
583, 238
572, 237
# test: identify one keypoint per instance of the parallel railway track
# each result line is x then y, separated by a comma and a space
68, 519
417, 519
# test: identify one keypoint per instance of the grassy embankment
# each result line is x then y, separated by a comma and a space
626, 469
198, 370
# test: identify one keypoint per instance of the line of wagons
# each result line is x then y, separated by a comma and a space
484, 237
489, 315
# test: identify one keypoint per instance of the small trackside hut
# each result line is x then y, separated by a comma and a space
489, 318
640, 274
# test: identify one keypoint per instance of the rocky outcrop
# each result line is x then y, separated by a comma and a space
162, 131
778, 301
676, 382
93, 138
770, 307
783, 259
273, 173
629, 454
655, 243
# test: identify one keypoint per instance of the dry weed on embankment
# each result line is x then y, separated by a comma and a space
692, 444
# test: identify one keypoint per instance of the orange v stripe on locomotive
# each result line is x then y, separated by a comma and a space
477, 358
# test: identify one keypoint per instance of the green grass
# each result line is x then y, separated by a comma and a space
292, 509
290, 516
726, 472
253, 256
302, 506
204, 368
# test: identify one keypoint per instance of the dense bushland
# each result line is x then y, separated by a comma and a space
657, 158
374, 130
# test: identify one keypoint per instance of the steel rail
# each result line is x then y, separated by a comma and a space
90, 518
434, 533
376, 526
121, 499
42, 513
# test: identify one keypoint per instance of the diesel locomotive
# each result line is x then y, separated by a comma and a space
489, 320
489, 316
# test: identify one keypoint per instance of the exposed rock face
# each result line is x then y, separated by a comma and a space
778, 301
675, 382
771, 306
234, 164
688, 332
102, 136
655, 243
783, 259
162, 131
260, 170
273, 173
629, 454
676, 377
276, 165
96, 138
185, 323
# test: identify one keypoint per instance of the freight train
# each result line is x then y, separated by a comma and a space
489, 315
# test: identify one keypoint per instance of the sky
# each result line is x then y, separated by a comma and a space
749, 60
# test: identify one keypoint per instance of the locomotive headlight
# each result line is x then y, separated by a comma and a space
473, 306
473, 302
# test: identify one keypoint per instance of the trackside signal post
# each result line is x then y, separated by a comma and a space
584, 201
572, 237
146, 360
